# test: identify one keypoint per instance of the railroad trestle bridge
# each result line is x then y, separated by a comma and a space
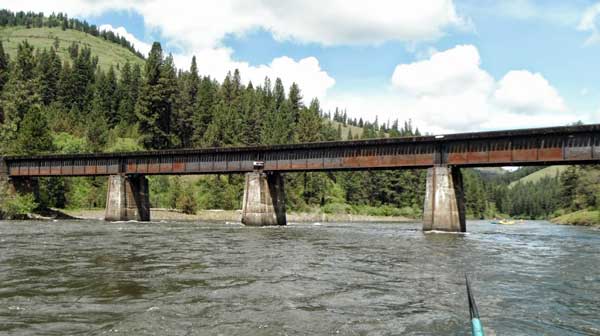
264, 197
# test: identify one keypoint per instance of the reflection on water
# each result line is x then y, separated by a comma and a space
92, 277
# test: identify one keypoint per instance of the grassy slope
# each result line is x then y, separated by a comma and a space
354, 129
108, 53
582, 217
538, 175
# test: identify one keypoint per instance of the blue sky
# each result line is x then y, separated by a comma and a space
450, 66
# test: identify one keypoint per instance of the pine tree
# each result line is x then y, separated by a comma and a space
154, 106
204, 110
232, 100
186, 104
168, 90
34, 134
296, 105
136, 83
309, 123
25, 62
66, 86
4, 75
19, 95
568, 184
309, 129
82, 77
283, 125
111, 97
226, 125
278, 124
278, 94
106, 101
150, 99
4, 61
251, 122
128, 92
47, 75
126, 102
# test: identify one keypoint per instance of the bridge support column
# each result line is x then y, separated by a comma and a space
127, 198
444, 208
264, 199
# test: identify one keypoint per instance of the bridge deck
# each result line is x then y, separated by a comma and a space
541, 146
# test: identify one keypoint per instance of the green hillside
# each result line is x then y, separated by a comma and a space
356, 131
108, 53
538, 175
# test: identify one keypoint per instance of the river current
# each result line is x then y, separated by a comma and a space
188, 278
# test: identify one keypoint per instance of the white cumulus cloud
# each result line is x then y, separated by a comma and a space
205, 23
528, 92
139, 45
449, 72
450, 92
588, 23
359, 22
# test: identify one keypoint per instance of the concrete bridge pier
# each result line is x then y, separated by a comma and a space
264, 199
444, 208
128, 198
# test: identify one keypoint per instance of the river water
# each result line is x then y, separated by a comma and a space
173, 278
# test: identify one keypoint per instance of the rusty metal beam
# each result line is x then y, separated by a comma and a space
543, 146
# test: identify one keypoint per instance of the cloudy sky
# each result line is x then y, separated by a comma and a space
449, 65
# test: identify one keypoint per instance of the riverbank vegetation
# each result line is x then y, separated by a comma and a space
571, 194
581, 217
66, 87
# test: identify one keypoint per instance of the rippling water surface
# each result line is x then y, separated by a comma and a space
171, 278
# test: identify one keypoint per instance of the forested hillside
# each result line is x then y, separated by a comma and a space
53, 102
535, 192
58, 98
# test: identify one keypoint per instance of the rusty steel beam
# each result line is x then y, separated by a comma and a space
542, 146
